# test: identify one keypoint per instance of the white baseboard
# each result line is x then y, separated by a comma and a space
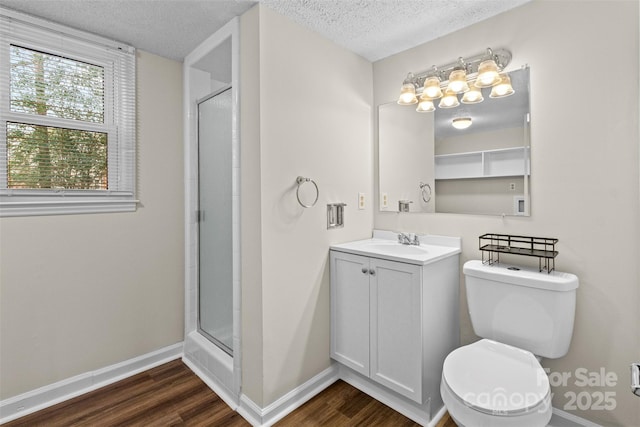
52, 394
561, 418
212, 382
438, 416
418, 413
265, 417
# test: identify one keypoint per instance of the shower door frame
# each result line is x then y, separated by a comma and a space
219, 370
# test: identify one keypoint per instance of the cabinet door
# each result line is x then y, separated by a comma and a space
350, 310
396, 332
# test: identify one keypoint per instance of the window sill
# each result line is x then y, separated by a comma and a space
64, 207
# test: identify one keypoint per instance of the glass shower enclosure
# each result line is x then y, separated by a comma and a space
215, 238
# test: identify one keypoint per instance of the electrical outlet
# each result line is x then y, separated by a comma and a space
384, 201
512, 186
360, 201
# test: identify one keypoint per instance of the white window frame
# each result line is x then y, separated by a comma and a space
118, 61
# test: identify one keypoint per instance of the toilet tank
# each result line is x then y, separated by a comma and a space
521, 306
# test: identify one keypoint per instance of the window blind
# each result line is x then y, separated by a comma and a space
55, 86
67, 119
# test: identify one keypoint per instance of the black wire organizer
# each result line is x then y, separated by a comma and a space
543, 248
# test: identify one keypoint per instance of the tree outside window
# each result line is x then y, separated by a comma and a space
54, 157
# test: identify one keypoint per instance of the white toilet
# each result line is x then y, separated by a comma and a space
519, 312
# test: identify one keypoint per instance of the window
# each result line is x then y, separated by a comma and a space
67, 120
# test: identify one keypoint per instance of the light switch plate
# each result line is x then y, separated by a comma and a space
360, 201
384, 201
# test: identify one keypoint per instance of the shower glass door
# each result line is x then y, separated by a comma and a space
215, 275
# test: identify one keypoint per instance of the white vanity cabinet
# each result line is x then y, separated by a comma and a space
394, 322
350, 310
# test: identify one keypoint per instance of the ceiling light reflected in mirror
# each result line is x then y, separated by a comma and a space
461, 122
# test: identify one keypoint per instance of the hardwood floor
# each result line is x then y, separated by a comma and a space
342, 405
172, 395
169, 395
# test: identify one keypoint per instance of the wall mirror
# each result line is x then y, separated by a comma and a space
428, 165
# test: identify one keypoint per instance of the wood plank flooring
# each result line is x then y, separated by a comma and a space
172, 395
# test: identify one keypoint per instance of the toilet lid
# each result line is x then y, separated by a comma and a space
496, 378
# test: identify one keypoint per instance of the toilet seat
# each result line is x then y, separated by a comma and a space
496, 379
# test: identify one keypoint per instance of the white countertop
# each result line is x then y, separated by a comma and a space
384, 245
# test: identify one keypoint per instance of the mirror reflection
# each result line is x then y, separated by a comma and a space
472, 159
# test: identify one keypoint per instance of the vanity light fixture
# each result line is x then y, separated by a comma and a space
432, 87
503, 88
473, 95
458, 78
425, 105
458, 82
466, 75
487, 74
408, 91
449, 100
461, 122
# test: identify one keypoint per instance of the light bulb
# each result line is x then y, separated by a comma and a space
449, 100
425, 106
487, 74
502, 89
407, 94
458, 81
473, 96
432, 88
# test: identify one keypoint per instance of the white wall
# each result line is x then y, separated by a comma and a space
478, 141
250, 206
81, 292
315, 120
585, 171
406, 159
479, 196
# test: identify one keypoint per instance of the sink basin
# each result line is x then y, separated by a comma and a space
384, 245
397, 248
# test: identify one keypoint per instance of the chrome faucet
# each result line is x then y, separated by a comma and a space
408, 239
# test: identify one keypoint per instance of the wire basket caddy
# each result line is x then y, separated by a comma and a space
543, 248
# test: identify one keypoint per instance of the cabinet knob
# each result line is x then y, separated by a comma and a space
365, 270
372, 272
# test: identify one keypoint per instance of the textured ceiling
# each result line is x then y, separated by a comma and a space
170, 28
374, 29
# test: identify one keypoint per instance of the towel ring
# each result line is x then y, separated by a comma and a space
426, 192
301, 180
